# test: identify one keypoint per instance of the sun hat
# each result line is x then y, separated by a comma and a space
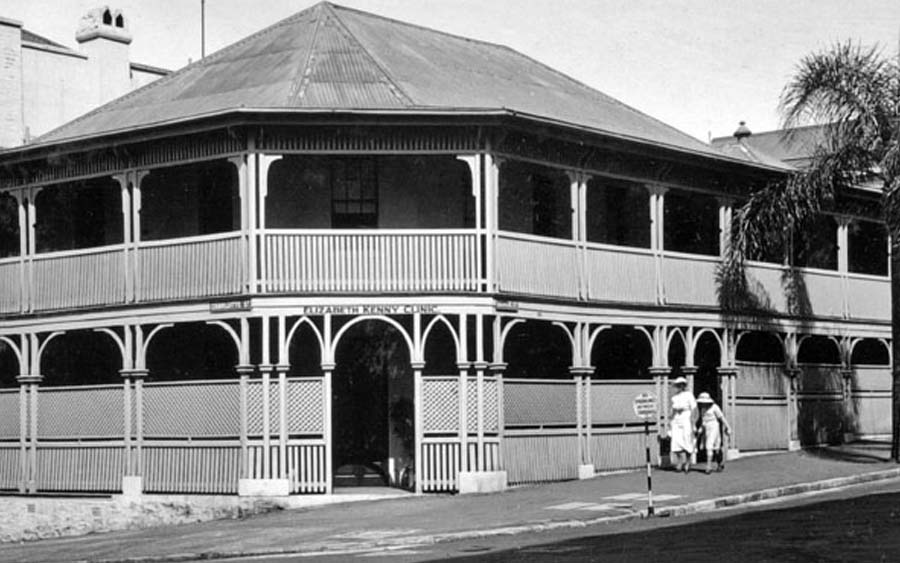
704, 398
679, 381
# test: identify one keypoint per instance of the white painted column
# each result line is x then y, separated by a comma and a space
417, 368
657, 236
252, 194
491, 208
124, 179
726, 213
576, 198
474, 163
327, 374
31, 212
843, 249
244, 372
240, 164
265, 163
463, 366
138, 180
24, 287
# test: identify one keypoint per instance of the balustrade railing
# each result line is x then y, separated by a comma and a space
370, 261
78, 278
537, 265
416, 261
206, 266
12, 271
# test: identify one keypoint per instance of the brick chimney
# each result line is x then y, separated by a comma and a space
104, 37
11, 119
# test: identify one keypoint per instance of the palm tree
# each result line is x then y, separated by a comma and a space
855, 92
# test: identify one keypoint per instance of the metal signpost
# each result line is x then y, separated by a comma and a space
645, 407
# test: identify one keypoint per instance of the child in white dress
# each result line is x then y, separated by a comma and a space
712, 422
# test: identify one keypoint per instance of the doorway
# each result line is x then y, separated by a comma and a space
372, 408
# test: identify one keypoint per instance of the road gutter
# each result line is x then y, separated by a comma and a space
707, 505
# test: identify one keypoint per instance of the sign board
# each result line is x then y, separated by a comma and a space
645, 405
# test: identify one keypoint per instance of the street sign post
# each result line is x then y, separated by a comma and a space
645, 407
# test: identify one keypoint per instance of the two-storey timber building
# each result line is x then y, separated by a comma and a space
352, 250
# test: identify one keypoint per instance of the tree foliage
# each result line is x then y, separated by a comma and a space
853, 92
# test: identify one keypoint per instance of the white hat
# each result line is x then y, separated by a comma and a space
705, 398
679, 381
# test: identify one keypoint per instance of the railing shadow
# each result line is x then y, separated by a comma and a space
860, 451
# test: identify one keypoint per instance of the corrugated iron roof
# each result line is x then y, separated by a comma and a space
795, 146
329, 57
745, 150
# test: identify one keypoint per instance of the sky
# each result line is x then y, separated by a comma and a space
701, 66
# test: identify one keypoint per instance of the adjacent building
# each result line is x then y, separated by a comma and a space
350, 250
44, 84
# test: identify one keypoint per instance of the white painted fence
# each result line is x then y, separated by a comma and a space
370, 261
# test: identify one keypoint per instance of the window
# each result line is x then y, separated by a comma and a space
816, 247
354, 194
618, 212
691, 223
9, 226
535, 200
867, 248
82, 214
190, 200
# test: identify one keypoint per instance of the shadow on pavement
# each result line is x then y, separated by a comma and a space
861, 451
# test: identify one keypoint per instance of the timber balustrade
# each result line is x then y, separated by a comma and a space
370, 261
549, 267
415, 261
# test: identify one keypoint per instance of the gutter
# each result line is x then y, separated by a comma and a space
419, 112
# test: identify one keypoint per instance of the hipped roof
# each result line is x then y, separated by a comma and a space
330, 58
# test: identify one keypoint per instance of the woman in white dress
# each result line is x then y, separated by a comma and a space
712, 422
681, 425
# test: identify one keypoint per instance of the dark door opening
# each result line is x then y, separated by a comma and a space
372, 393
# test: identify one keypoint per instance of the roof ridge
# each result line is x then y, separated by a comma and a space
398, 92
545, 66
415, 25
177, 73
299, 83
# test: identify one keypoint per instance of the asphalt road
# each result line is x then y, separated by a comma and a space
860, 523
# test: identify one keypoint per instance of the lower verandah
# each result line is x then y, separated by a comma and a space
187, 420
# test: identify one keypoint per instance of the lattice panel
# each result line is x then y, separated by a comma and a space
491, 405
306, 412
71, 412
255, 410
472, 405
195, 410
9, 414
440, 405
537, 403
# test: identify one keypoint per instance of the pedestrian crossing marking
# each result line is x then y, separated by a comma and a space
616, 502
627, 496
571, 506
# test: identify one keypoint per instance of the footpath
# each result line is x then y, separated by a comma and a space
422, 520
